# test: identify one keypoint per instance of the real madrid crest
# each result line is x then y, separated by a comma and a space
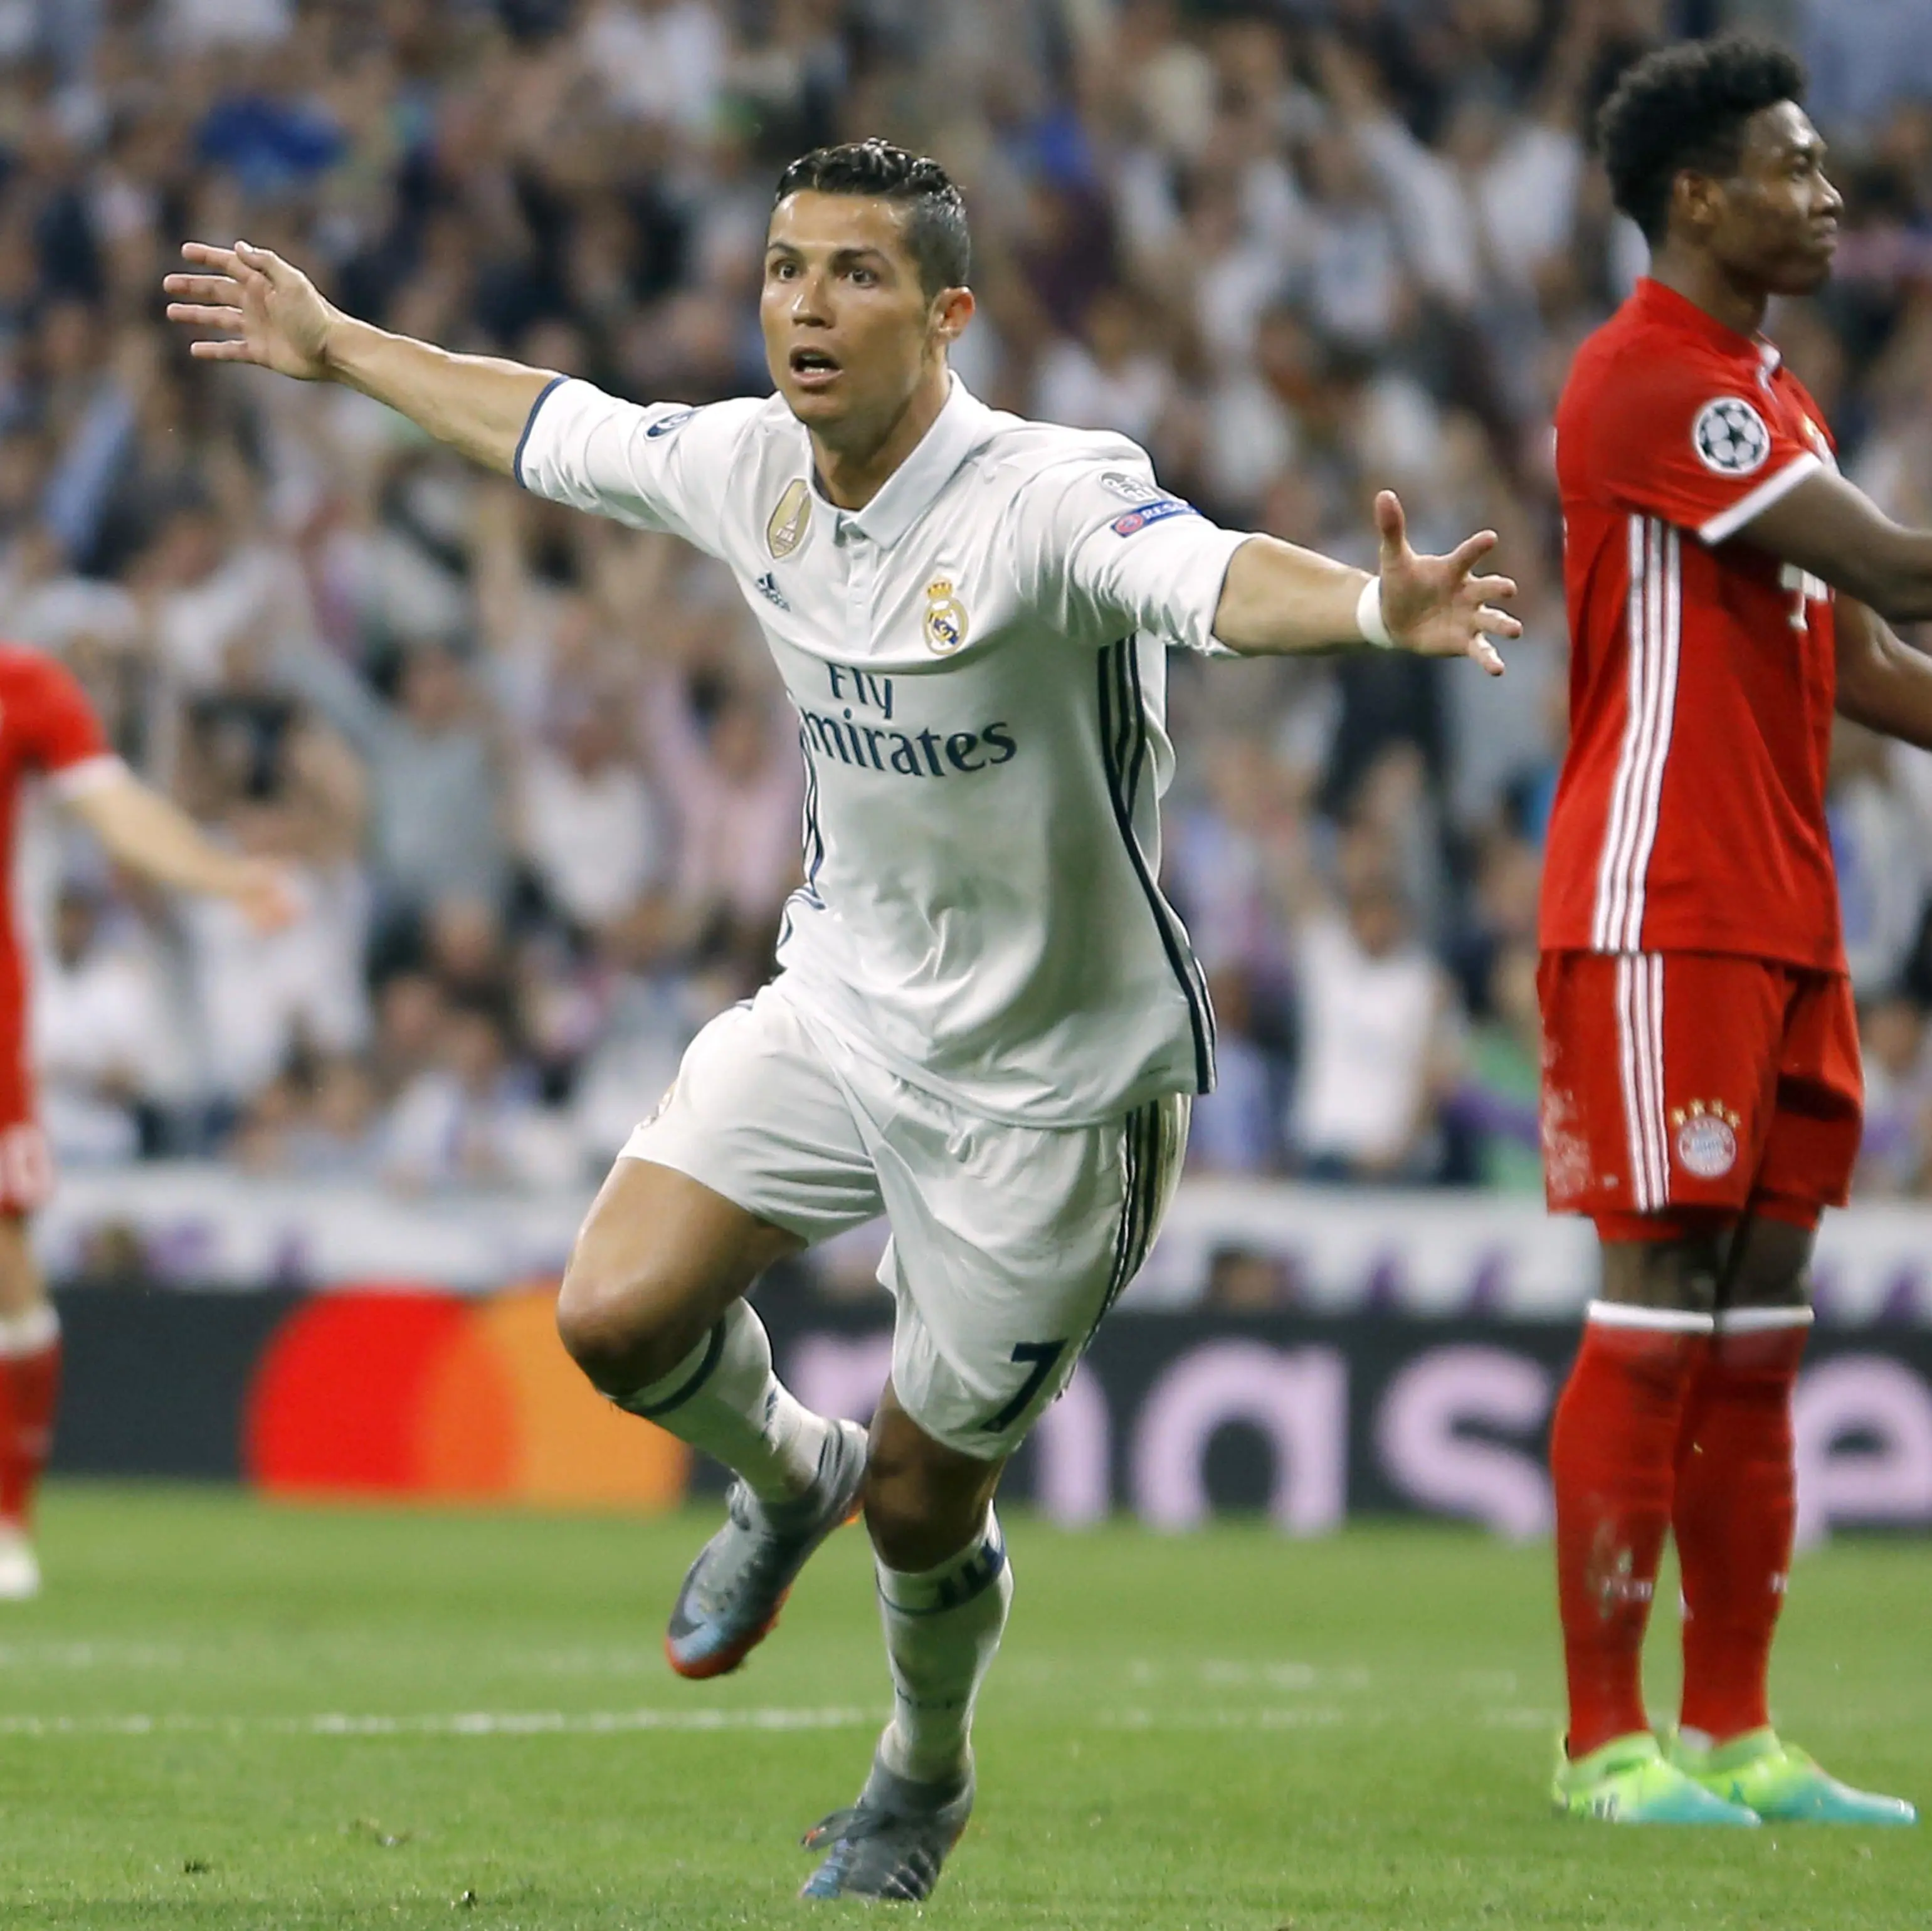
789, 520
945, 618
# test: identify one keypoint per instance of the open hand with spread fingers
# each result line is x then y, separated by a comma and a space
265, 311
1437, 606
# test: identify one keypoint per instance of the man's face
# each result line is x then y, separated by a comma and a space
1775, 222
848, 332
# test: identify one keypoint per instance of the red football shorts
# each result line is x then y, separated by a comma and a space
1680, 1085
26, 1168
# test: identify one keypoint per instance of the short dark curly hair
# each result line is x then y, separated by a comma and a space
936, 234
1685, 107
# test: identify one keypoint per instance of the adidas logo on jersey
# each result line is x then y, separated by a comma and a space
767, 587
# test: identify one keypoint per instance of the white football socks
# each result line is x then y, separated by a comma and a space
943, 1628
723, 1398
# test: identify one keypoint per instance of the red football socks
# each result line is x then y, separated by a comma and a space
1612, 1451
1734, 1516
29, 1386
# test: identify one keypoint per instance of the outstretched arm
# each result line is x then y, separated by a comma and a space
1883, 683
142, 831
1277, 598
1832, 529
269, 313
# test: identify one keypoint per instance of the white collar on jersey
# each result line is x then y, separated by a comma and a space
963, 423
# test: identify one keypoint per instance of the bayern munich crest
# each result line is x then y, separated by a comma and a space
1730, 436
1706, 1138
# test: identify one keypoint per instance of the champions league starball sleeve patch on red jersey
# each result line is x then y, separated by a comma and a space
1153, 512
1730, 436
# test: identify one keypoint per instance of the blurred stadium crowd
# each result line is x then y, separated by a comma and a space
533, 771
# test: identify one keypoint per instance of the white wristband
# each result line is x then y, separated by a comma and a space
1369, 616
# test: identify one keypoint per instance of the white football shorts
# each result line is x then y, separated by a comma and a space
1008, 1243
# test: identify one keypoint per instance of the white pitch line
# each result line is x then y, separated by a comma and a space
1315, 1717
460, 1723
90, 1655
621, 1722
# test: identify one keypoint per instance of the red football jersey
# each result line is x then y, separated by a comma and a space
47, 727
1690, 815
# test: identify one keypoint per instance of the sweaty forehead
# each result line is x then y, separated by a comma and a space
815, 223
1774, 133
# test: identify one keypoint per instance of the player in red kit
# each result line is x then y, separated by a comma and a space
47, 730
1701, 1092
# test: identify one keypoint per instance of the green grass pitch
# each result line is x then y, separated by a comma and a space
230, 1715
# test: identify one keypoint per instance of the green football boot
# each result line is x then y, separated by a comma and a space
1782, 1784
1627, 1781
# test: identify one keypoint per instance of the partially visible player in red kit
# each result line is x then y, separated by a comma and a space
48, 731
1701, 1092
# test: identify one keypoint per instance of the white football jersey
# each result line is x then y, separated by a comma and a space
977, 658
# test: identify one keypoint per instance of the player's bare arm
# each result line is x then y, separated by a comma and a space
265, 311
1278, 598
1884, 683
142, 830
1832, 529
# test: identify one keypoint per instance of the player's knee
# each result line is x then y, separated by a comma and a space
922, 1507
22, 1288
624, 1325
912, 1528
1772, 1266
1680, 1272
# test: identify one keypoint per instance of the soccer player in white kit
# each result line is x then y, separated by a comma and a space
987, 1022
